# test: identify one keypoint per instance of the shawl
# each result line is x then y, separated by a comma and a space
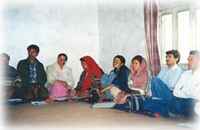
93, 68
54, 73
122, 77
140, 78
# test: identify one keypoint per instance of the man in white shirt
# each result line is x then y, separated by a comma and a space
163, 84
187, 89
185, 94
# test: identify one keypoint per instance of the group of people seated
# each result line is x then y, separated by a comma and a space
178, 90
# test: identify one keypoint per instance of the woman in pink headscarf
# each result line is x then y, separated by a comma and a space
137, 80
139, 76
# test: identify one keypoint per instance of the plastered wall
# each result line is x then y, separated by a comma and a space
99, 29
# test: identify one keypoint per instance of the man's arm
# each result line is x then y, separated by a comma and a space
41, 75
196, 94
23, 73
161, 73
179, 88
174, 78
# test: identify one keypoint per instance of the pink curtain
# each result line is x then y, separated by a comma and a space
150, 23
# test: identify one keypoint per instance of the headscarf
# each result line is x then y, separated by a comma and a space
140, 78
93, 68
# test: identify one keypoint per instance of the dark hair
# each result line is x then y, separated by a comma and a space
195, 52
122, 59
5, 55
138, 58
175, 53
33, 47
63, 54
82, 59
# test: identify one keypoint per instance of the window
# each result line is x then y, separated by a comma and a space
198, 29
166, 34
183, 35
180, 30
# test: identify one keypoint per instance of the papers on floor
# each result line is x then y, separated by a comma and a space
197, 108
68, 98
189, 124
61, 98
38, 102
78, 97
104, 105
15, 100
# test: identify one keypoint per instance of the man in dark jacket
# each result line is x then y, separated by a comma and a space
33, 75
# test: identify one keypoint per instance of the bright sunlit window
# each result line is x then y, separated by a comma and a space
198, 29
183, 35
166, 34
179, 30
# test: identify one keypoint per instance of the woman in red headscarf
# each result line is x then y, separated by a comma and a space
90, 77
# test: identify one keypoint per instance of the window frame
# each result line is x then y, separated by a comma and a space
174, 10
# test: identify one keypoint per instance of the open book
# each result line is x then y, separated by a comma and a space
104, 105
68, 98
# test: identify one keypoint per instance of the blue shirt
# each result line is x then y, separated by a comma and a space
170, 76
111, 77
32, 73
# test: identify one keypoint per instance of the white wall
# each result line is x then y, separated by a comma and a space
101, 30
121, 31
67, 27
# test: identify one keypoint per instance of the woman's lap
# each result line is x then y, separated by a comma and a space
58, 90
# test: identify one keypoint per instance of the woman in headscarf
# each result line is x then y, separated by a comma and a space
137, 79
90, 77
59, 78
117, 78
139, 76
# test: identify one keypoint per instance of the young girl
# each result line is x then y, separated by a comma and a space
137, 79
139, 76
117, 78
